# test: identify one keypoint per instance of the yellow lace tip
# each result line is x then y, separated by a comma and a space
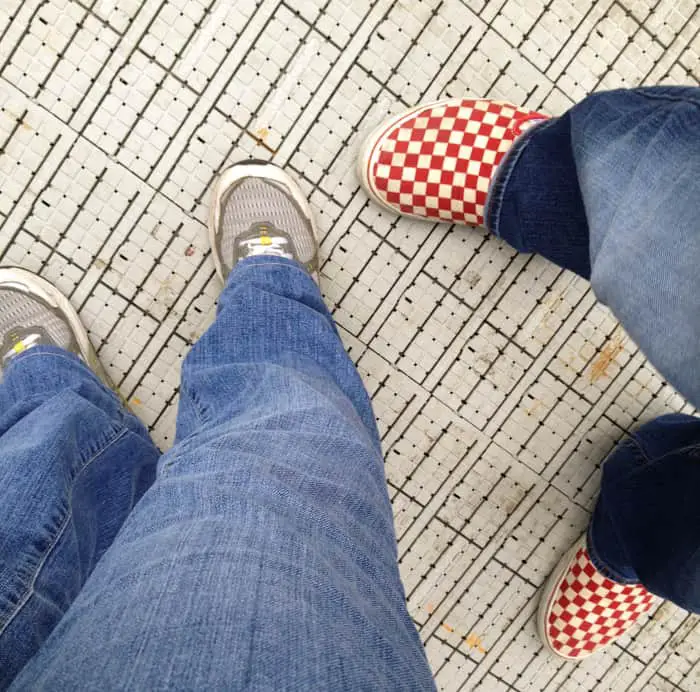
265, 240
18, 347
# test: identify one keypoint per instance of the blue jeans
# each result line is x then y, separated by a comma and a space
611, 190
262, 557
263, 554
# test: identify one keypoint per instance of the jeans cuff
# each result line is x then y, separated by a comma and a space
598, 563
503, 174
47, 350
268, 261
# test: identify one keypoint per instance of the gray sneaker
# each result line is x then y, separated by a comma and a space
259, 209
34, 313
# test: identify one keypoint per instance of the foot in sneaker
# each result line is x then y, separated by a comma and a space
259, 209
33, 313
582, 611
437, 161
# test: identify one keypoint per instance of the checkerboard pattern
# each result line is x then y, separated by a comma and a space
588, 610
438, 162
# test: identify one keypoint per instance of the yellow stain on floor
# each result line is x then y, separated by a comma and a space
610, 351
473, 641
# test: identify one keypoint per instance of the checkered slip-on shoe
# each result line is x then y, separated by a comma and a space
33, 312
582, 611
436, 161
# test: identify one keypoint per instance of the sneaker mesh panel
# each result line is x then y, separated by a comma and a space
255, 200
17, 309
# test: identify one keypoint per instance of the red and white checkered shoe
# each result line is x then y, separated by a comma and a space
582, 611
437, 160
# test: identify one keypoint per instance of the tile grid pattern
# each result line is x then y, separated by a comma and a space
498, 382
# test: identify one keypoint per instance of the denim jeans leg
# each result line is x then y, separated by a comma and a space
264, 555
73, 463
611, 191
645, 526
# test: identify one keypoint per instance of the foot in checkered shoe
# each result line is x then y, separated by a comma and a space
437, 161
582, 611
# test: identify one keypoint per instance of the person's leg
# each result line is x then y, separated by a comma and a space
264, 555
609, 190
642, 540
616, 180
73, 463
658, 469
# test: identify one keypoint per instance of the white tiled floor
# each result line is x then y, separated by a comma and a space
495, 406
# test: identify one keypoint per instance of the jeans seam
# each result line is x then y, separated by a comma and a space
641, 91
681, 602
680, 450
638, 446
590, 544
199, 410
59, 534
694, 447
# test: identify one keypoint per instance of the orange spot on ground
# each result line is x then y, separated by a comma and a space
430, 608
136, 401
610, 351
449, 628
473, 641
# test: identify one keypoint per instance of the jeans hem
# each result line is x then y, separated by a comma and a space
503, 175
598, 563
57, 352
268, 261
